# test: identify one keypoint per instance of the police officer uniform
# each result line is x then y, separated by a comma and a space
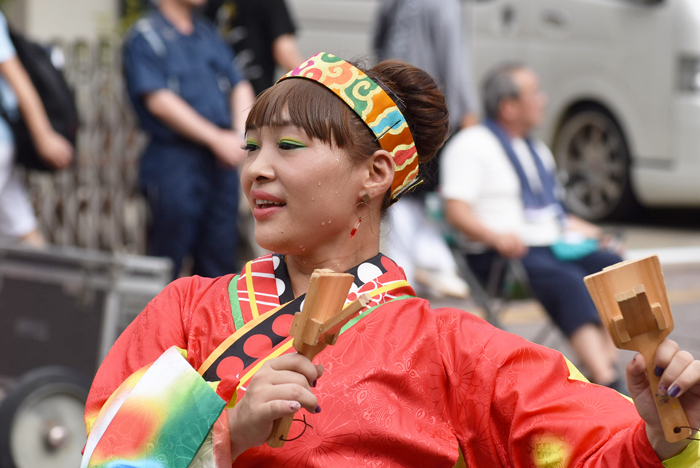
193, 198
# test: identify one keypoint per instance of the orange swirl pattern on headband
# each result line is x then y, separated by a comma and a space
374, 106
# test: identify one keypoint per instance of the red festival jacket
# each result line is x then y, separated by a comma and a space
405, 386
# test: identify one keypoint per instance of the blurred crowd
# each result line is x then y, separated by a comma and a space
193, 69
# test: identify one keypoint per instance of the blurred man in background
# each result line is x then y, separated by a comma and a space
427, 34
17, 93
193, 102
261, 32
501, 193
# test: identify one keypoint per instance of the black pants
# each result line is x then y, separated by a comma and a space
194, 208
557, 284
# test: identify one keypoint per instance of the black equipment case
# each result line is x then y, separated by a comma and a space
67, 306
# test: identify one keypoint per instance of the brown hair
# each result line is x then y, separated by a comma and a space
324, 116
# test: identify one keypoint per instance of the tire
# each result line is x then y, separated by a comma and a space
593, 158
41, 419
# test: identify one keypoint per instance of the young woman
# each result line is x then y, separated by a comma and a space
329, 149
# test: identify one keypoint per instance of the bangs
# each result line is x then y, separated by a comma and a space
309, 106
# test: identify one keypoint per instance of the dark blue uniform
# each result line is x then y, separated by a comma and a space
193, 199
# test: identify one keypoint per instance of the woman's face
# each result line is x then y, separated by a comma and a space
302, 191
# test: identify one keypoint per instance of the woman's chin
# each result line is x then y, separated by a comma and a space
289, 241
272, 241
266, 245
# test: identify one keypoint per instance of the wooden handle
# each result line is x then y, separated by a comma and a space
323, 312
670, 409
280, 430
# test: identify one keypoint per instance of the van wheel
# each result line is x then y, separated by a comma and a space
41, 419
594, 162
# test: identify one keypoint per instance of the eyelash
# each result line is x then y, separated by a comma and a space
286, 145
283, 145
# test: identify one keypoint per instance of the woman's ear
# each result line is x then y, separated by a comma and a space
380, 173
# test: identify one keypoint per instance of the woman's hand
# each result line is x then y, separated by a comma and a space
280, 388
680, 377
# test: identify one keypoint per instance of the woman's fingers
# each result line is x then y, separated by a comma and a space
277, 409
637, 380
664, 353
297, 363
678, 370
687, 379
284, 377
280, 388
672, 370
290, 392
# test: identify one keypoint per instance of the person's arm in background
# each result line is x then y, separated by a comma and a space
282, 31
51, 146
146, 79
454, 63
460, 215
175, 113
242, 99
286, 52
463, 175
590, 230
611, 241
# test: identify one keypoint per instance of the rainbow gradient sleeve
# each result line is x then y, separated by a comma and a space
158, 418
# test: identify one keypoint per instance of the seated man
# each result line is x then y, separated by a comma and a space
501, 193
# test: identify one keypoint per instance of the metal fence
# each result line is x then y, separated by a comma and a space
96, 203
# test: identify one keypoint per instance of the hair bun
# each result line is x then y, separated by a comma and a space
421, 102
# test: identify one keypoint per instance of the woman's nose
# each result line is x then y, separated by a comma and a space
259, 166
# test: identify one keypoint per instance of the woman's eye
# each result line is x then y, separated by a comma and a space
251, 147
290, 145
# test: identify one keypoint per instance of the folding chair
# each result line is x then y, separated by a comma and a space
506, 277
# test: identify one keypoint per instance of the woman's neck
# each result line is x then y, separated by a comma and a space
339, 257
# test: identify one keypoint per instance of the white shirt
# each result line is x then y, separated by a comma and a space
475, 169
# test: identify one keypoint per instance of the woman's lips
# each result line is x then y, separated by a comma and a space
262, 212
265, 204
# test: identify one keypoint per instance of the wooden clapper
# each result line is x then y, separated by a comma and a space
318, 325
632, 302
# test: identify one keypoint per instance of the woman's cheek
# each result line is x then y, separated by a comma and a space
245, 181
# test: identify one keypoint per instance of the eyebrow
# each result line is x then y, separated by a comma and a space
285, 123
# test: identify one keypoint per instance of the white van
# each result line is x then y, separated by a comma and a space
622, 76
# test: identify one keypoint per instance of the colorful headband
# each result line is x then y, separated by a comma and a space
375, 108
